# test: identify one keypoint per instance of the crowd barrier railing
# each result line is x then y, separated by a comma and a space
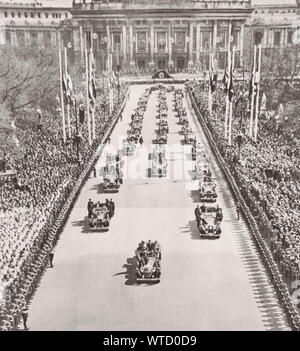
57, 224
265, 253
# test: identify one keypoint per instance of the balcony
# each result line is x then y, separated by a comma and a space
160, 4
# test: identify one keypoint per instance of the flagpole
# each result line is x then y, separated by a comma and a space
111, 90
68, 105
252, 93
228, 72
227, 96
230, 102
87, 96
257, 95
209, 87
62, 96
93, 107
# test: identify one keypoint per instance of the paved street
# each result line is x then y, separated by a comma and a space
205, 284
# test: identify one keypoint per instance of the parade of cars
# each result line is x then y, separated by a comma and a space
158, 161
99, 217
148, 258
210, 222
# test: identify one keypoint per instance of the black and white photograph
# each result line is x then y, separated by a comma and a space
149, 168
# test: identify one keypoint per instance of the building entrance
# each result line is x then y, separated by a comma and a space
162, 64
179, 64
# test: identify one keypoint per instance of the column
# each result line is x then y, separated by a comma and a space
171, 63
265, 38
198, 46
271, 38
40, 39
124, 42
27, 37
191, 39
282, 37
14, 40
214, 35
151, 46
2, 36
81, 43
108, 47
53, 38
242, 40
92, 38
131, 45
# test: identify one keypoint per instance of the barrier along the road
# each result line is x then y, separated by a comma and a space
156, 81
55, 224
265, 253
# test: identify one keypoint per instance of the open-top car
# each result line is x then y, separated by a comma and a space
210, 222
128, 147
111, 183
198, 151
188, 138
163, 126
148, 257
207, 191
159, 161
202, 170
161, 138
158, 167
183, 120
100, 218
186, 129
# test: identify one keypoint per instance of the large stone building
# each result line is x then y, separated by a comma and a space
32, 23
160, 34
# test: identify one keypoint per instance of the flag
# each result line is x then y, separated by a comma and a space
67, 86
69, 92
263, 104
254, 79
230, 82
225, 80
16, 140
81, 114
279, 111
92, 80
213, 78
112, 80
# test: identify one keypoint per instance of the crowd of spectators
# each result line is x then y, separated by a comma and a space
45, 176
267, 173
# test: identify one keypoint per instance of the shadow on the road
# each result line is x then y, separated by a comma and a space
148, 172
191, 228
98, 187
195, 195
83, 224
130, 274
85, 227
192, 174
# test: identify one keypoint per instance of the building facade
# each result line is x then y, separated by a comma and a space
32, 23
153, 34
160, 34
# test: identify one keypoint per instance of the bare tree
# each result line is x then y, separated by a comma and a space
28, 78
